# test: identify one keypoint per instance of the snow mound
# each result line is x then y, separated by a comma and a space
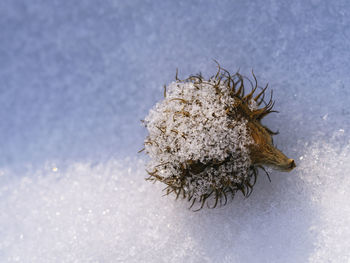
107, 213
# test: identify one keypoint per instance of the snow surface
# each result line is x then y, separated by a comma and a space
76, 78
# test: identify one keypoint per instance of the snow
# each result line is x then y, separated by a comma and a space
191, 124
76, 78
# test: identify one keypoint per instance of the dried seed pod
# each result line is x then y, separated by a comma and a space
206, 140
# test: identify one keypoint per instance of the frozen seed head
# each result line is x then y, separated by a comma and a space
206, 140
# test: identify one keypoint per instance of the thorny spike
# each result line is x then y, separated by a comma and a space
164, 91
264, 114
240, 91
216, 198
194, 200
224, 194
249, 96
177, 193
271, 132
217, 74
270, 100
262, 99
168, 191
255, 175
219, 69
189, 197
202, 205
250, 82
227, 72
141, 150
257, 113
228, 79
241, 188
261, 93
263, 168
249, 190
256, 81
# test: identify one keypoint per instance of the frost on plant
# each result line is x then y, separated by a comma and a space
206, 140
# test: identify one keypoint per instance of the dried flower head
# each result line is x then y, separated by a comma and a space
206, 140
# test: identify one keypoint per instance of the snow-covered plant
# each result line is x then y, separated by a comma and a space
206, 138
